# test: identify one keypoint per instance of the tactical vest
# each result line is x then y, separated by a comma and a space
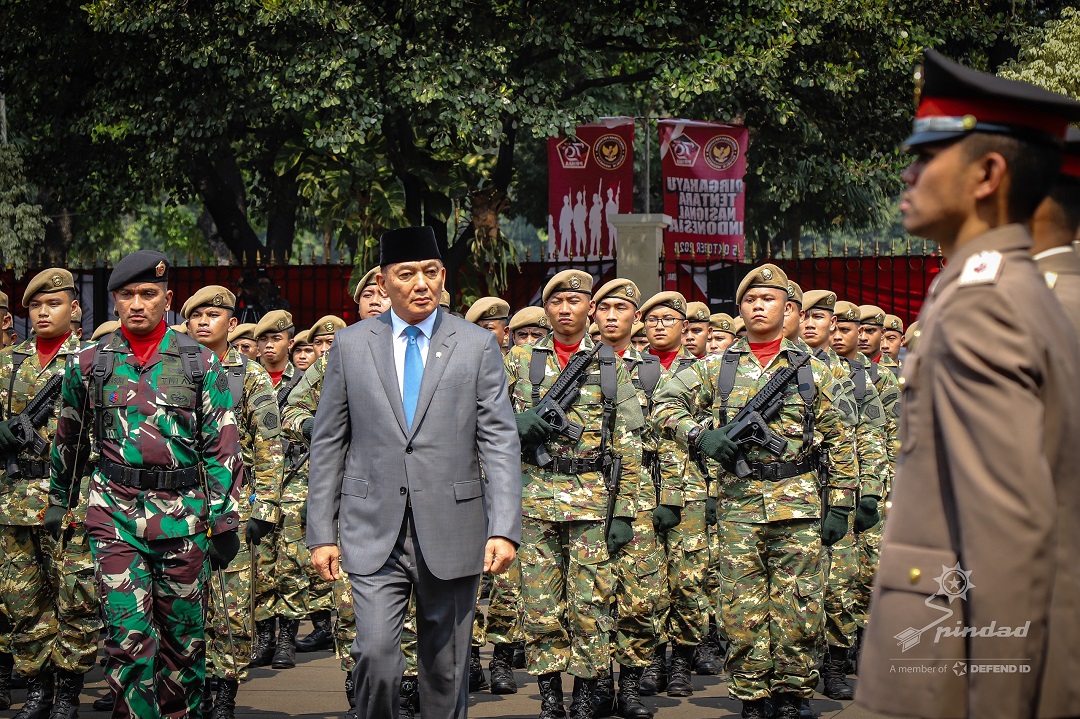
235, 375
804, 376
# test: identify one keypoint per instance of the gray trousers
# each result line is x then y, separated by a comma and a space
444, 617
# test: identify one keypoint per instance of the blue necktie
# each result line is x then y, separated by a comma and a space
414, 373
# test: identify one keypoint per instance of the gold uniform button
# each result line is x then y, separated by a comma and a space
901, 381
914, 575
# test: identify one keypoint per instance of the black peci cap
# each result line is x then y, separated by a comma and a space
409, 244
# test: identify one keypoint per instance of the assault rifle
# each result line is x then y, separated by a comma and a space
25, 424
560, 398
751, 424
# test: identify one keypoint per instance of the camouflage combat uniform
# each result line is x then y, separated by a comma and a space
566, 574
47, 586
770, 530
150, 545
259, 425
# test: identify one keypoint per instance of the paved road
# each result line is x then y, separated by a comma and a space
314, 689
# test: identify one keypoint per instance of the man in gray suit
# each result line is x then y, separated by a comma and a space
413, 402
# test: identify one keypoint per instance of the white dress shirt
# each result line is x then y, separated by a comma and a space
401, 341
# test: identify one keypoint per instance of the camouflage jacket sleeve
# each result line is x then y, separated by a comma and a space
680, 400
831, 405
889, 390
870, 445
262, 436
221, 454
71, 444
303, 401
626, 442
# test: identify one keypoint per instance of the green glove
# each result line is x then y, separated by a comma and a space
54, 520
666, 516
256, 529
866, 515
303, 514
8, 442
306, 426
835, 525
619, 535
223, 549
531, 427
715, 443
710, 510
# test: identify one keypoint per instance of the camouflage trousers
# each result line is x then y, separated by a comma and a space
868, 549
49, 597
153, 606
566, 588
772, 606
640, 594
478, 638
504, 607
228, 656
713, 583
686, 618
345, 625
298, 590
841, 591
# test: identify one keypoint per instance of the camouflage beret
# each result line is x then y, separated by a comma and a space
444, 299
242, 332
722, 322
53, 279
671, 300
911, 337
871, 315
212, 296
327, 325
530, 317
697, 312
568, 281
892, 322
638, 330
795, 293
141, 266
739, 324
819, 300
302, 338
273, 321
846, 311
76, 315
594, 329
767, 275
365, 281
103, 329
488, 308
3, 300
618, 289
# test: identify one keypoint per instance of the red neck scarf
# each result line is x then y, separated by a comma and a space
47, 349
765, 351
275, 377
877, 359
666, 358
564, 352
142, 346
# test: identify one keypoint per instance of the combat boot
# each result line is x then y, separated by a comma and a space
69, 686
209, 687
225, 706
321, 638
7, 663
410, 697
502, 673
682, 656
477, 678
604, 698
519, 655
755, 709
285, 654
655, 678
350, 694
805, 712
708, 660
628, 704
105, 703
854, 652
262, 650
581, 705
836, 683
551, 696
785, 706
39, 696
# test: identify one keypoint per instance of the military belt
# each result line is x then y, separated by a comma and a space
33, 468
149, 477
776, 471
571, 465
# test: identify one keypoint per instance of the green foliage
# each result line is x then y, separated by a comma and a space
1050, 55
22, 224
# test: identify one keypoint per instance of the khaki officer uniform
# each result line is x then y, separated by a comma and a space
1060, 266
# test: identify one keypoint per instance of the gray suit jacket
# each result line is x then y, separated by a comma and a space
365, 462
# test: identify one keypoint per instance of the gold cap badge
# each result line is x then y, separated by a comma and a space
159, 270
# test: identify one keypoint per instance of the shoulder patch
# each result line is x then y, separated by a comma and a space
270, 420
222, 383
983, 268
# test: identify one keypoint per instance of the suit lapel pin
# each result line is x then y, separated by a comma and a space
438, 355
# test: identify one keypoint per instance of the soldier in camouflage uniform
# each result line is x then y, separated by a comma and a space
302, 353
567, 546
684, 615
770, 521
47, 577
168, 476
209, 314
892, 339
641, 588
528, 326
871, 333
244, 342
867, 436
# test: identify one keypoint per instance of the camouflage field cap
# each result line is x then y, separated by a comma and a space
892, 322
768, 275
365, 281
740, 325
210, 296
671, 300
819, 300
722, 322
871, 315
105, 328
274, 321
911, 337
242, 332
327, 325
697, 312
795, 293
53, 279
530, 317
181, 328
846, 311
594, 329
638, 330
568, 281
302, 339
619, 289
3, 301
488, 308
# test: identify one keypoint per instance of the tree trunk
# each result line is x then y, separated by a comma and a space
220, 187
59, 235
281, 219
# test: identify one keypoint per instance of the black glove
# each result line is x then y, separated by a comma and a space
715, 443
8, 442
835, 525
256, 529
619, 535
710, 510
54, 520
306, 426
866, 514
666, 516
531, 427
223, 549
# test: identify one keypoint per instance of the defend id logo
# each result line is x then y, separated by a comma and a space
573, 153
721, 152
684, 151
610, 152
